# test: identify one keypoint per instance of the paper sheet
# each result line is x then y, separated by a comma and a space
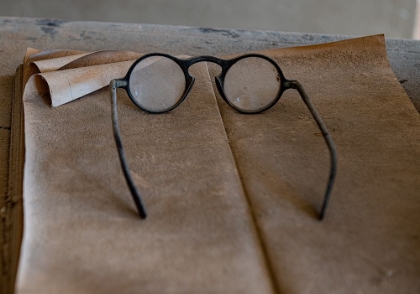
369, 240
195, 240
82, 234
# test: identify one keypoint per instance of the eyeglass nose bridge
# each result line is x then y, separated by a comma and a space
226, 64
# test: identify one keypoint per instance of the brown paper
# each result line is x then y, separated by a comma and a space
369, 241
221, 223
82, 233
69, 75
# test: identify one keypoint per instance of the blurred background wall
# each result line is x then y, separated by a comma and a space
394, 18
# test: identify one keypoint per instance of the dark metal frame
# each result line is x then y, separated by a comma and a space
185, 64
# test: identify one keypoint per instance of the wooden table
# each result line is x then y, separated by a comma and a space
16, 34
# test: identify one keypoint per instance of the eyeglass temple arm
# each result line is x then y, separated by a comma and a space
328, 139
133, 189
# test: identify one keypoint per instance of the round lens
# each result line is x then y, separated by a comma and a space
252, 84
156, 83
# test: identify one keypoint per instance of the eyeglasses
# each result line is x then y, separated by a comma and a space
250, 84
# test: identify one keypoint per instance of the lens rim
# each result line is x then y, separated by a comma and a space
220, 81
189, 81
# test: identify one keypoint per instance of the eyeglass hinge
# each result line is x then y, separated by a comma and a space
119, 83
291, 84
